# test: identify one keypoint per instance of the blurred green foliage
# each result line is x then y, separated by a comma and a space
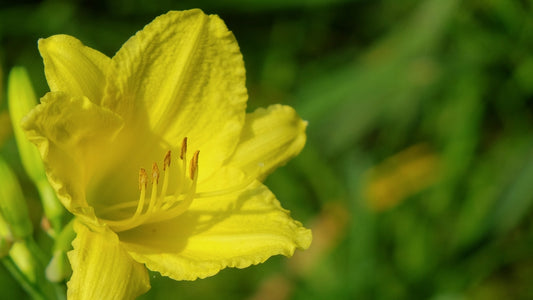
374, 79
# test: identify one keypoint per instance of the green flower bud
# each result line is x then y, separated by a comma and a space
13, 206
21, 100
58, 269
24, 260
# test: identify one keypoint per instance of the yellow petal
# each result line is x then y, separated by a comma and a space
235, 230
74, 68
70, 133
270, 137
182, 76
102, 269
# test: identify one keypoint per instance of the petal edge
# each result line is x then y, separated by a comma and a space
228, 231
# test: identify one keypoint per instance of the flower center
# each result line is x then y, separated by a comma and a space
160, 206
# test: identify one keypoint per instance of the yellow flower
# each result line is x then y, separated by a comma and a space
153, 152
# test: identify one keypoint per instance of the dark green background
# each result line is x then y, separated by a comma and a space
373, 78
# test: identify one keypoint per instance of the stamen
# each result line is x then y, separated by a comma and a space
193, 170
142, 178
183, 155
166, 161
174, 208
183, 149
155, 173
186, 202
155, 181
166, 175
142, 185
181, 206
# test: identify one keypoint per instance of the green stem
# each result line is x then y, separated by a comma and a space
47, 289
28, 286
60, 291
36, 251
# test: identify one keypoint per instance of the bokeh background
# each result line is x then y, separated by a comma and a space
417, 177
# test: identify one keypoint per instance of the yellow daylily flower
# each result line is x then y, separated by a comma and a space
153, 152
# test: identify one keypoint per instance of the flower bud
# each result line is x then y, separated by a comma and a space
58, 269
24, 260
21, 100
13, 206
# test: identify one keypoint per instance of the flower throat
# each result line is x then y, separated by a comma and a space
160, 206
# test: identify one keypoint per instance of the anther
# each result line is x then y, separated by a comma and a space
183, 148
143, 178
155, 173
166, 161
194, 165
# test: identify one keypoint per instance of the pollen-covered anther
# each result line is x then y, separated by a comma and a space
194, 165
143, 178
183, 153
183, 156
166, 161
155, 173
